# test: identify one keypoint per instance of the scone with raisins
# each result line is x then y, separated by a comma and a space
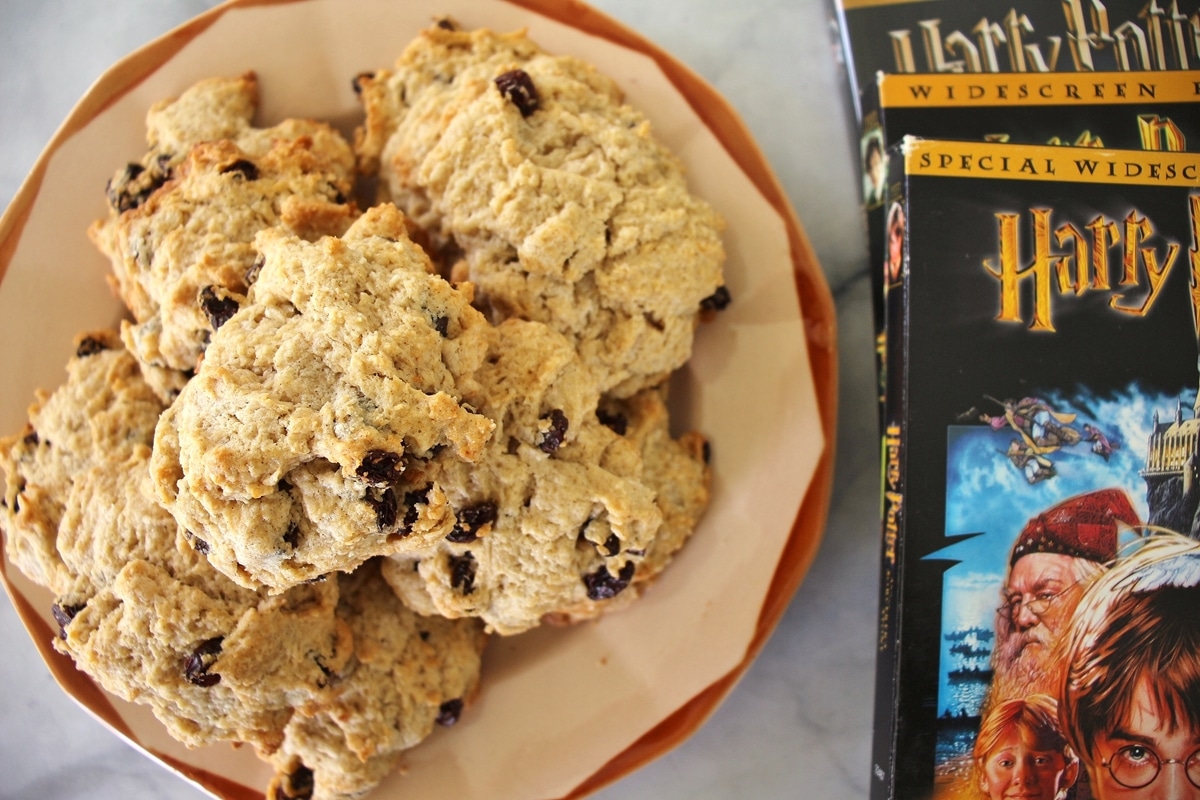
560, 202
181, 225
306, 441
330, 681
570, 510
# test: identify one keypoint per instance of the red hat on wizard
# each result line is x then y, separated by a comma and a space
1084, 526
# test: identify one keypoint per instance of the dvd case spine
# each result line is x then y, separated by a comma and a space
890, 278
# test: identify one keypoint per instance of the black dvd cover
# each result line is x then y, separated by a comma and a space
1041, 409
1014, 36
1124, 110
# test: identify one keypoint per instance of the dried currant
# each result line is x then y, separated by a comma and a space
356, 82
616, 422
218, 307
298, 784
470, 520
449, 712
716, 301
89, 346
552, 437
198, 544
115, 190
243, 167
384, 503
196, 666
603, 585
517, 86
441, 324
63, 614
612, 545
255, 268
411, 499
292, 535
380, 468
462, 572
133, 187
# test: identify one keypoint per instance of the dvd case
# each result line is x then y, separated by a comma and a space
1041, 414
1124, 110
1014, 36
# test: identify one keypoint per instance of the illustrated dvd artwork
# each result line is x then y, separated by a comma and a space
1140, 110
1040, 567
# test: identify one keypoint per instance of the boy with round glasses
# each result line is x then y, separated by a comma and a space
1130, 697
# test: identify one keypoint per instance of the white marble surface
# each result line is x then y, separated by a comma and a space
798, 724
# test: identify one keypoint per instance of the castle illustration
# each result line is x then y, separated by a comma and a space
1172, 471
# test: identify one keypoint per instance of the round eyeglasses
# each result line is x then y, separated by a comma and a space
1136, 765
1036, 604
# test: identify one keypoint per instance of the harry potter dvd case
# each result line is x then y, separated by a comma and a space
984, 36
1148, 110
1041, 418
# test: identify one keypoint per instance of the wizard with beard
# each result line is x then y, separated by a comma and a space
1056, 557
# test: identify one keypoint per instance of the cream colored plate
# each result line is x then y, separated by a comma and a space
562, 711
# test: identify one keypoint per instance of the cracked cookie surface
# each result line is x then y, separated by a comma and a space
302, 445
568, 513
333, 679
182, 221
564, 206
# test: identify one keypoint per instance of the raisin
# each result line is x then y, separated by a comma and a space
449, 712
552, 437
356, 82
63, 614
716, 301
617, 423
612, 545
517, 86
198, 544
411, 499
219, 308
447, 24
292, 535
706, 452
441, 324
298, 785
255, 268
603, 585
89, 346
424, 635
462, 572
470, 520
241, 167
384, 503
131, 173
133, 187
31, 439
195, 667
380, 468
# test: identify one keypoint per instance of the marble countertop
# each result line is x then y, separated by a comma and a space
798, 724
